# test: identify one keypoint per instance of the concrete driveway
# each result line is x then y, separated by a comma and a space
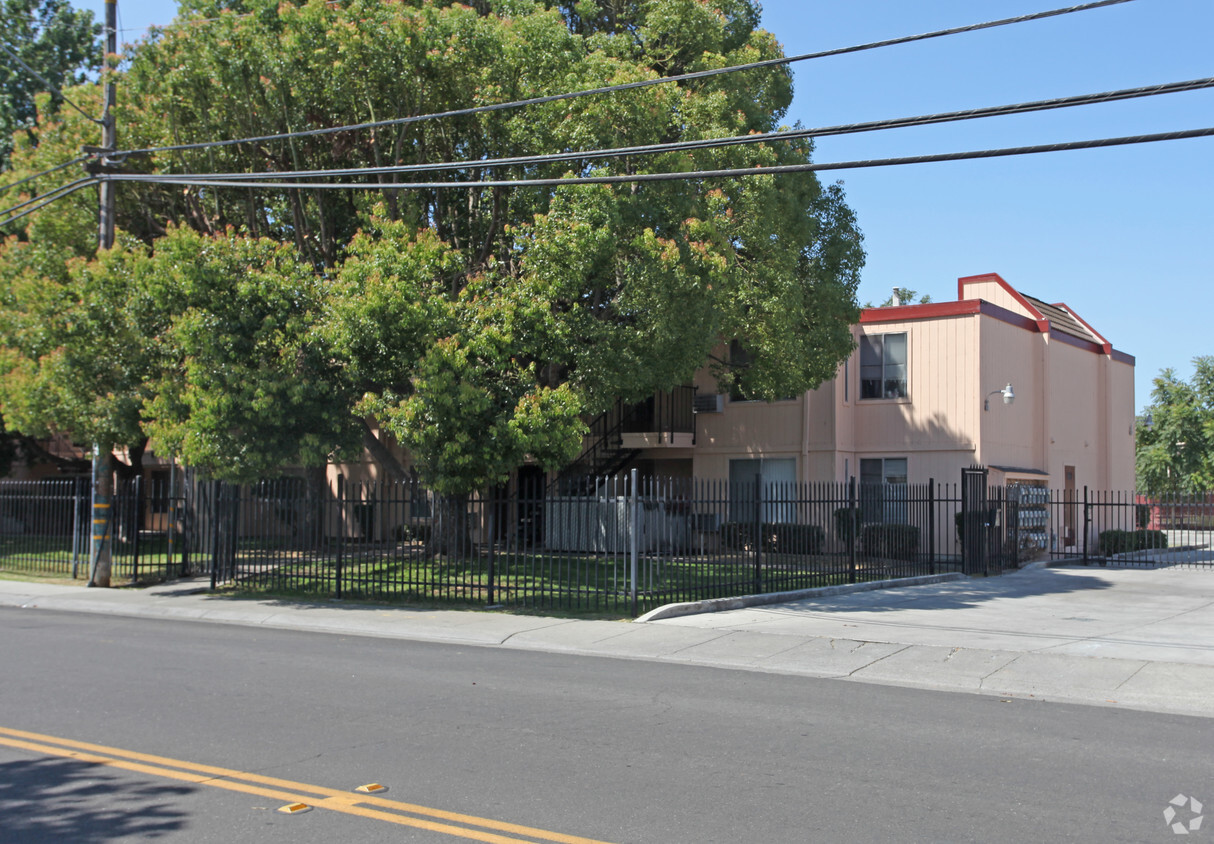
1160, 615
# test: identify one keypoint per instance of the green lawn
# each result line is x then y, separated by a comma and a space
564, 582
51, 556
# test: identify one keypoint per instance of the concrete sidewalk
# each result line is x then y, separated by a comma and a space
1140, 639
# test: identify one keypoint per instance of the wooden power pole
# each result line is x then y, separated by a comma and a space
103, 459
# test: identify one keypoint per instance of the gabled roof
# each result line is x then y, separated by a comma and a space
1013, 307
1063, 320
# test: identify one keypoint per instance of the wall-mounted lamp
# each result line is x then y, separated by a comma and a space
1008, 394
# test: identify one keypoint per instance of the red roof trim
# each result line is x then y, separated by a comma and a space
1060, 337
1108, 347
932, 310
966, 307
1013, 292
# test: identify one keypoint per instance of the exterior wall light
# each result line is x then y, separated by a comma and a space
1008, 394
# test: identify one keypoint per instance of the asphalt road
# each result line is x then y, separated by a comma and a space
481, 742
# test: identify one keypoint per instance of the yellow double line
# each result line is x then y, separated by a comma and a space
319, 797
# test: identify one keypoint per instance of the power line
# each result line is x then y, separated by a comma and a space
50, 85
45, 199
609, 89
734, 140
666, 177
39, 175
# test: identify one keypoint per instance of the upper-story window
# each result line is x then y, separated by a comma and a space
883, 366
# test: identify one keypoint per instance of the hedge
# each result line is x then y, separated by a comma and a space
891, 541
846, 521
778, 537
1125, 541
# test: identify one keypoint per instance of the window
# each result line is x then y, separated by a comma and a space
883, 490
883, 470
883, 366
778, 479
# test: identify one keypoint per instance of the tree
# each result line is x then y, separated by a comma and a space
477, 323
1175, 435
906, 296
61, 43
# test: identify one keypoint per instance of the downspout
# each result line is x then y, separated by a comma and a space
805, 438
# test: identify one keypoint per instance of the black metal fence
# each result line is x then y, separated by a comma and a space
1130, 529
625, 545
620, 545
46, 529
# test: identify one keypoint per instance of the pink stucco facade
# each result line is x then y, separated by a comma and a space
1071, 423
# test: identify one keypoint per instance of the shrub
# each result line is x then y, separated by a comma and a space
793, 539
985, 518
735, 536
777, 537
1142, 516
891, 542
847, 519
1126, 541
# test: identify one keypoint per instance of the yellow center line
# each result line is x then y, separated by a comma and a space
288, 791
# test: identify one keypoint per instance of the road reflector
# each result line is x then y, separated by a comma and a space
295, 809
371, 788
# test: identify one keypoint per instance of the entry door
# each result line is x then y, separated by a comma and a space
1069, 510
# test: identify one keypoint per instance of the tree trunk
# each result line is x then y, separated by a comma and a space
103, 511
450, 534
313, 523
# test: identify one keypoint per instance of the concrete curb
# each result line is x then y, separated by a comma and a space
743, 601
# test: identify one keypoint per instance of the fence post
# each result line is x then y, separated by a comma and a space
492, 540
1087, 521
758, 534
634, 542
135, 518
214, 485
341, 530
77, 489
931, 524
854, 536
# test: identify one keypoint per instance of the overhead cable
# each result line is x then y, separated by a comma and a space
609, 89
50, 85
42, 173
7, 216
675, 176
733, 140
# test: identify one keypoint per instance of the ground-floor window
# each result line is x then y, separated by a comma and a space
883, 489
776, 479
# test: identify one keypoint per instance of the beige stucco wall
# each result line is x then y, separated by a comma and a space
1074, 405
990, 289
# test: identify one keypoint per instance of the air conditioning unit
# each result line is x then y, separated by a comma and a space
709, 403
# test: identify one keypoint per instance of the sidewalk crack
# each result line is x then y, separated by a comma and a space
880, 659
1131, 677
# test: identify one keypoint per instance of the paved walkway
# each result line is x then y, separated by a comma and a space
1140, 639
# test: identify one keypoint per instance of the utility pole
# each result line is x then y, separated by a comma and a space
103, 460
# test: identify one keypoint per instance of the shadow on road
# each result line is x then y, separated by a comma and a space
65, 800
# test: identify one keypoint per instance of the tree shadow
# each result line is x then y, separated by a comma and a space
66, 800
961, 594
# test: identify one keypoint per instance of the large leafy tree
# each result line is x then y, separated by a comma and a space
477, 323
1175, 440
60, 43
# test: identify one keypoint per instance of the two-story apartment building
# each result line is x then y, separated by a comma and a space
996, 378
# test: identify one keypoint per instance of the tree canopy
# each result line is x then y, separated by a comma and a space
478, 324
1175, 438
60, 43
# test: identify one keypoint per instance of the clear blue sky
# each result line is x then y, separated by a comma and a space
1125, 236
